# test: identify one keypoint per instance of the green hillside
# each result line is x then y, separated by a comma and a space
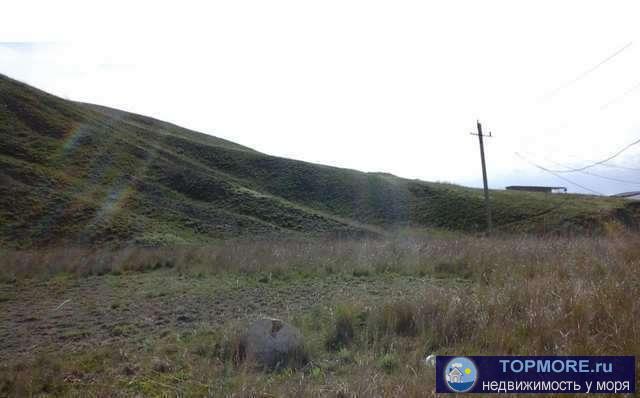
78, 173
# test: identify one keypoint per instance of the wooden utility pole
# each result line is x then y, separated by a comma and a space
487, 204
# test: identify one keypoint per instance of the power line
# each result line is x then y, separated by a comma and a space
611, 178
598, 175
615, 155
584, 74
611, 166
557, 175
621, 96
615, 166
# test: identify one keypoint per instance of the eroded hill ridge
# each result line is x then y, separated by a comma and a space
81, 173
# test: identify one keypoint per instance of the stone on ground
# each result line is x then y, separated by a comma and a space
274, 344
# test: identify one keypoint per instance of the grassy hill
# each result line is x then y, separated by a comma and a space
79, 173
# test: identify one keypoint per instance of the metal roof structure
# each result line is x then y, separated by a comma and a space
534, 188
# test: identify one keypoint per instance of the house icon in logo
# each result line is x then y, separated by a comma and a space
460, 374
455, 375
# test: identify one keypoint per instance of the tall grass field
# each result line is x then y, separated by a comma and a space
136, 321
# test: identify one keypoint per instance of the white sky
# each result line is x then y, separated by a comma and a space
390, 86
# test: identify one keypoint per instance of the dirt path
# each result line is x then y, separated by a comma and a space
68, 314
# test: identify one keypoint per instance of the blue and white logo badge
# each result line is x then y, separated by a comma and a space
461, 374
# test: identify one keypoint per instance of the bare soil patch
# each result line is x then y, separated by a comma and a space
69, 313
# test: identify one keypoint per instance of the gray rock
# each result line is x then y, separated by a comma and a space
274, 344
161, 366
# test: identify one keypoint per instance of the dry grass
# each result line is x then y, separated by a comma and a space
528, 296
464, 257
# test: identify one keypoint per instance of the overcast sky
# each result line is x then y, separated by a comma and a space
390, 86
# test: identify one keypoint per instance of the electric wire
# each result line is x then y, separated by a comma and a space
593, 164
584, 74
596, 175
557, 175
620, 97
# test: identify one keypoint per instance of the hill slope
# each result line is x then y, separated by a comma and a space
74, 172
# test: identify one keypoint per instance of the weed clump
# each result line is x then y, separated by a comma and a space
389, 363
344, 330
457, 268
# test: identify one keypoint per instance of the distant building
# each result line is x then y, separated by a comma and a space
635, 195
533, 188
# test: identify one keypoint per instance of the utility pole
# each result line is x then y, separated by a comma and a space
487, 204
